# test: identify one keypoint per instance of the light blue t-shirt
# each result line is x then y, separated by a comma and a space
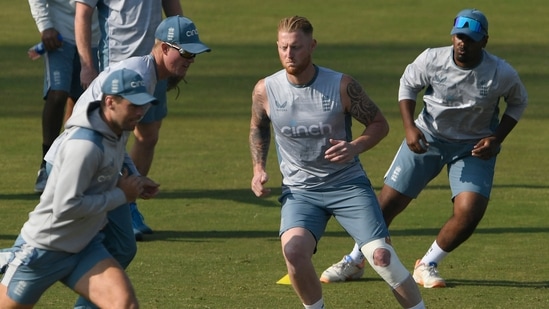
462, 104
127, 28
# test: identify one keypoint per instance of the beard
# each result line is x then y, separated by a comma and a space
298, 68
173, 81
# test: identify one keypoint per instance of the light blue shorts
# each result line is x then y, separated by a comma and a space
353, 204
118, 237
62, 70
411, 172
32, 271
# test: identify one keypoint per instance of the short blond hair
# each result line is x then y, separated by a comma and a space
295, 23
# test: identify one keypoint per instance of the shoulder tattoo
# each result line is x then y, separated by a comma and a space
362, 107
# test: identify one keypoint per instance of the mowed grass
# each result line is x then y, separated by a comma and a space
215, 245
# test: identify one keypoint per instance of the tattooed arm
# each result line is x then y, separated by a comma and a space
362, 108
260, 139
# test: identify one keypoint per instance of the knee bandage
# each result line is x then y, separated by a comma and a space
395, 273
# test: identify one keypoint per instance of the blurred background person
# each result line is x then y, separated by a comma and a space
55, 22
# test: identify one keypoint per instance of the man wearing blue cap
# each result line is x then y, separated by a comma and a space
128, 28
61, 241
458, 128
176, 45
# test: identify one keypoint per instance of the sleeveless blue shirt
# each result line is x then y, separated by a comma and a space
304, 118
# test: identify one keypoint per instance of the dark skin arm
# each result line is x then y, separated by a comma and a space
172, 8
50, 39
488, 146
414, 137
485, 148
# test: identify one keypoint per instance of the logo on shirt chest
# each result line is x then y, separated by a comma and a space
326, 104
306, 131
281, 106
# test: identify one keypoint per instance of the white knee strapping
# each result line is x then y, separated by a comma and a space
395, 273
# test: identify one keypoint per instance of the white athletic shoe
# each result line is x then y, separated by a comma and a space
428, 276
344, 270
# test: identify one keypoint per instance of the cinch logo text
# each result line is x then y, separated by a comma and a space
137, 83
313, 130
191, 32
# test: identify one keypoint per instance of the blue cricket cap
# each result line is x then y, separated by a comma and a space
129, 85
182, 32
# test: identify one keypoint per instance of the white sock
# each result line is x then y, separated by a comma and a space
434, 254
318, 305
356, 255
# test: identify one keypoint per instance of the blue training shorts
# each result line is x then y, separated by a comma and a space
411, 172
118, 236
353, 204
32, 271
62, 70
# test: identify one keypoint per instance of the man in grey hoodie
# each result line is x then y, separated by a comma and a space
61, 241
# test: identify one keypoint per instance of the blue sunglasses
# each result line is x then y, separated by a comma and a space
466, 22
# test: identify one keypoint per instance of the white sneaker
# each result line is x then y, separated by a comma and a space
344, 270
428, 276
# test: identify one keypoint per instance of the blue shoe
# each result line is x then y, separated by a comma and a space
138, 221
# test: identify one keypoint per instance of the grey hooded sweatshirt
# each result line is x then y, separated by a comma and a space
81, 188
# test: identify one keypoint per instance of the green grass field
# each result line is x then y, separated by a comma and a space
215, 245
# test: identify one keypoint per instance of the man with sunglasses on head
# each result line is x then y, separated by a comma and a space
458, 128
176, 45
127, 28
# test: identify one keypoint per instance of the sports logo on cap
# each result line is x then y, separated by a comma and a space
182, 32
129, 85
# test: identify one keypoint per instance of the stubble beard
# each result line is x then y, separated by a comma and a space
298, 68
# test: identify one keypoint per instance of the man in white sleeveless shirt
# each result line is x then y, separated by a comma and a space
310, 109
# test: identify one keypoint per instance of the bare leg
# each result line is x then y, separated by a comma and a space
385, 262
392, 203
107, 286
52, 115
469, 208
407, 293
7, 303
298, 246
142, 152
